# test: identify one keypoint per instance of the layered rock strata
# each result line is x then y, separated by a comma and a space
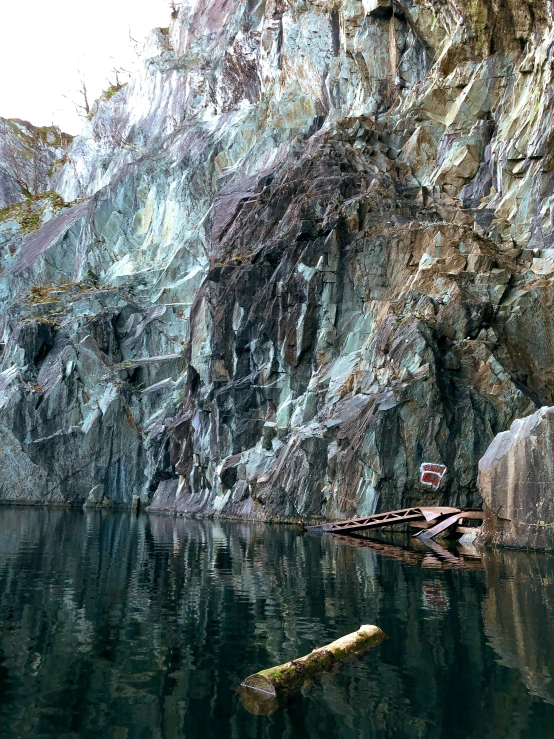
306, 249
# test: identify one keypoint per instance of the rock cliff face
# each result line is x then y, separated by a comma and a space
516, 479
29, 157
306, 249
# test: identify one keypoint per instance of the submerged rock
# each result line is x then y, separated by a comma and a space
516, 479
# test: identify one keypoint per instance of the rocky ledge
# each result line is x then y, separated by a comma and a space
307, 249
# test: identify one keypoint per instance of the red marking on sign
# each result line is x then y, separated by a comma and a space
440, 469
429, 478
432, 474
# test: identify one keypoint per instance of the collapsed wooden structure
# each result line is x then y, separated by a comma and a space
429, 520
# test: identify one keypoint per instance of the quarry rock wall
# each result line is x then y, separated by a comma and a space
306, 249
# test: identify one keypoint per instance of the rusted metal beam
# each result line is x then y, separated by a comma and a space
391, 518
431, 520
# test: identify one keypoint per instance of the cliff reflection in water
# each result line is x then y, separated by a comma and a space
125, 627
519, 616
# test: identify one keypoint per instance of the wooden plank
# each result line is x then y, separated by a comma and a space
458, 529
439, 527
466, 529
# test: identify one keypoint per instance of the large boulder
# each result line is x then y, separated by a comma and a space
516, 479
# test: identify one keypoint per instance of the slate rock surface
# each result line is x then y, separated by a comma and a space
29, 156
516, 479
306, 249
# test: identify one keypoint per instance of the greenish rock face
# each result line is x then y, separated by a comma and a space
305, 250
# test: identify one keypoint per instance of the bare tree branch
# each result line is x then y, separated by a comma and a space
82, 105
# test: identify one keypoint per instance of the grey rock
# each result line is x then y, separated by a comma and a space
164, 498
516, 479
285, 267
95, 497
29, 156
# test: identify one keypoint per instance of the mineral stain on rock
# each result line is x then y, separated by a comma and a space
306, 250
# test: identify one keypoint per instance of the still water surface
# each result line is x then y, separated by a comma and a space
114, 625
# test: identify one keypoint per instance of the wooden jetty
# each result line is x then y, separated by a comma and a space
430, 520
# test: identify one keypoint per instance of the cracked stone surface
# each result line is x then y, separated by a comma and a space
306, 249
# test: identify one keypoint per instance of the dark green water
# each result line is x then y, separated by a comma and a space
125, 627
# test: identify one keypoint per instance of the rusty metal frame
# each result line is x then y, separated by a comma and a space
390, 518
447, 517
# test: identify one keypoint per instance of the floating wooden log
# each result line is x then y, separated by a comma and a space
262, 692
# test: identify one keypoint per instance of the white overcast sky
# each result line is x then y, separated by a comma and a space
44, 44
